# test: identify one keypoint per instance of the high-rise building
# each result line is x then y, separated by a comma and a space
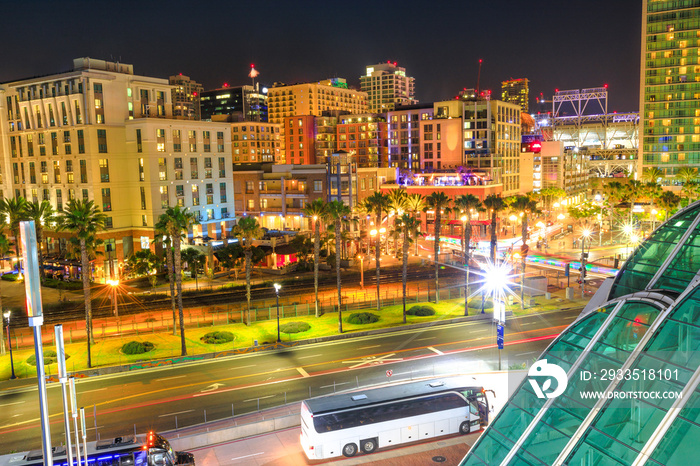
255, 142
237, 103
185, 96
516, 91
365, 136
101, 133
404, 135
331, 98
387, 86
669, 99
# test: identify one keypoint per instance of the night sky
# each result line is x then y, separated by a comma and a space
564, 44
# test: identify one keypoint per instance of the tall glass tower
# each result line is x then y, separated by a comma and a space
670, 86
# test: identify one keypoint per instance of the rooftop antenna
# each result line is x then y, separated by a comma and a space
478, 78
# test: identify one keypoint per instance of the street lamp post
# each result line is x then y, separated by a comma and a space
362, 271
7, 315
114, 284
585, 234
277, 297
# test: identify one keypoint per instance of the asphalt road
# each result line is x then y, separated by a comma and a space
167, 398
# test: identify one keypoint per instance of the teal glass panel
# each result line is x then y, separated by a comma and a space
679, 446
678, 344
545, 443
683, 266
691, 410
601, 450
491, 449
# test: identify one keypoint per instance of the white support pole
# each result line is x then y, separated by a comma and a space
84, 432
63, 378
74, 412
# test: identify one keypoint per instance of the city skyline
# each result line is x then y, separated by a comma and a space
553, 45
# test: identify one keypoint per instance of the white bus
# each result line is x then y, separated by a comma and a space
365, 420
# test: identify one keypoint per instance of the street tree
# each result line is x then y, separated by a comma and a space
43, 215
440, 204
337, 210
318, 211
377, 203
467, 204
406, 224
246, 230
494, 204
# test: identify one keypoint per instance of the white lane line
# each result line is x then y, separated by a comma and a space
427, 338
339, 383
435, 350
303, 372
529, 352
243, 367
170, 378
96, 390
15, 403
312, 356
174, 414
368, 347
255, 399
247, 456
569, 317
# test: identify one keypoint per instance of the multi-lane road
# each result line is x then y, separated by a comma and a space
166, 398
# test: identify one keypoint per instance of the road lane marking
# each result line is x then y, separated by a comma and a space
427, 338
368, 347
303, 372
570, 317
261, 398
335, 385
247, 456
372, 360
529, 352
15, 403
95, 390
243, 367
530, 323
170, 378
435, 350
312, 356
175, 414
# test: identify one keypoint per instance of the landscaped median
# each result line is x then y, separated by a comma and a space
158, 346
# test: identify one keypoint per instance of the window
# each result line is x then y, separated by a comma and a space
54, 144
81, 142
220, 141
222, 192
178, 168
83, 171
85, 194
177, 143
106, 200
222, 167
160, 140
30, 145
318, 186
207, 167
195, 194
56, 171
249, 187
164, 197
210, 193
32, 173
142, 175
102, 141
104, 170
78, 115
108, 223
194, 171
207, 141
144, 220
139, 142
162, 169
59, 200
143, 198
179, 191
192, 136
251, 204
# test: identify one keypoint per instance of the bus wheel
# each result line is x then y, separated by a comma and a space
464, 428
368, 445
350, 450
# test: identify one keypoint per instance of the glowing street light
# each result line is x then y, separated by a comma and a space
362, 271
277, 297
114, 284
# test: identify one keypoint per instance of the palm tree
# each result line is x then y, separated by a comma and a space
687, 174
5, 247
246, 230
494, 203
398, 202
652, 175
439, 202
634, 190
43, 214
407, 224
526, 205
15, 209
193, 258
162, 229
653, 191
337, 210
145, 262
615, 192
466, 203
415, 203
179, 221
317, 211
83, 219
668, 201
377, 202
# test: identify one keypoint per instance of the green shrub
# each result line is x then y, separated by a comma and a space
61, 284
295, 327
10, 277
476, 304
50, 357
361, 318
421, 311
137, 347
215, 338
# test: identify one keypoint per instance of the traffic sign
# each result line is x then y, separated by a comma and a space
389, 372
499, 336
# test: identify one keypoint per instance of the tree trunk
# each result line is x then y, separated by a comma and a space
377, 248
178, 280
337, 271
171, 280
494, 238
85, 264
317, 246
404, 275
17, 241
248, 258
467, 241
436, 249
2, 329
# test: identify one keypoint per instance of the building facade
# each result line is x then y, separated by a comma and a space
255, 142
235, 103
387, 86
366, 136
185, 97
669, 91
101, 133
517, 91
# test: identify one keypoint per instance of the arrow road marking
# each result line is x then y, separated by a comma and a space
372, 360
212, 387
